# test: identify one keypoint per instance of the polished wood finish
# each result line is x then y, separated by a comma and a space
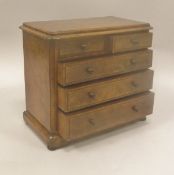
55, 141
84, 77
91, 69
40, 79
82, 47
52, 140
132, 41
80, 124
75, 98
60, 27
37, 80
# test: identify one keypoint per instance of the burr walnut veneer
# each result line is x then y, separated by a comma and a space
84, 77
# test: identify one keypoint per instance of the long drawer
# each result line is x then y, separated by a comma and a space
79, 97
68, 73
86, 122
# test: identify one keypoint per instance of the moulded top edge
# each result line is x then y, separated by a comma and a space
86, 25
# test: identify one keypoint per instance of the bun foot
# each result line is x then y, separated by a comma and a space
143, 119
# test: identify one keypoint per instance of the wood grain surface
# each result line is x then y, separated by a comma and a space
101, 67
79, 97
82, 123
83, 25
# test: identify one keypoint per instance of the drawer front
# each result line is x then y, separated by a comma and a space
71, 99
86, 122
129, 42
82, 47
103, 67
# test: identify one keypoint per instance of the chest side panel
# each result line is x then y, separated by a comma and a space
37, 81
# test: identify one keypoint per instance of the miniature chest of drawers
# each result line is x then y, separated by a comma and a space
84, 77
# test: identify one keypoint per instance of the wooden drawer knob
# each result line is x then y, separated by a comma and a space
83, 46
134, 41
134, 84
89, 70
133, 61
91, 121
91, 94
135, 108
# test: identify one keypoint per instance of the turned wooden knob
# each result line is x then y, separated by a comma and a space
91, 121
134, 84
133, 61
83, 46
135, 108
91, 94
89, 70
134, 41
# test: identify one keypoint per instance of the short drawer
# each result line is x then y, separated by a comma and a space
133, 41
103, 117
79, 97
82, 47
91, 69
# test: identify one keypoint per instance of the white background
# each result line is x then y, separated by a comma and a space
139, 149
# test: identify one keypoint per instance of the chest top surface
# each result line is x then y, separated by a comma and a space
58, 27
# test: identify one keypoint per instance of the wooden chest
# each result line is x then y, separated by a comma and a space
86, 76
